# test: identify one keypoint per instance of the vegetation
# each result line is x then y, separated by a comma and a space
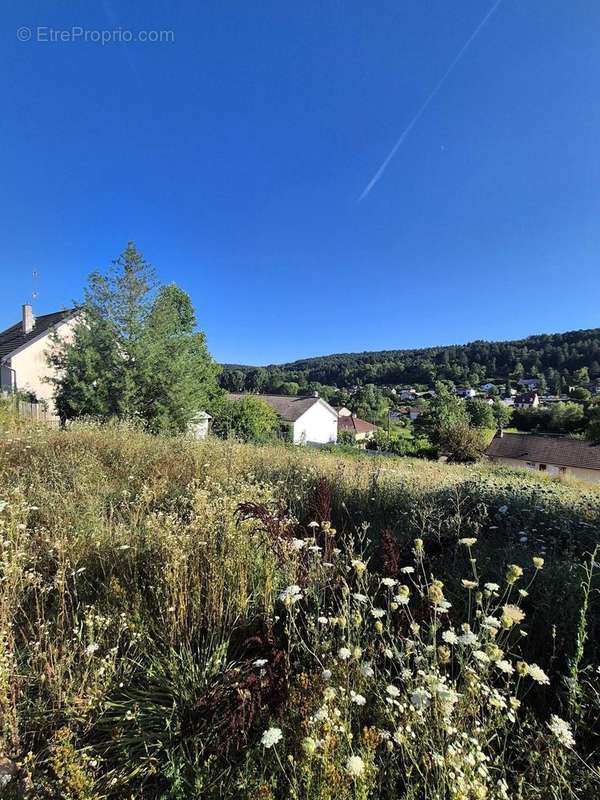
135, 353
559, 360
218, 620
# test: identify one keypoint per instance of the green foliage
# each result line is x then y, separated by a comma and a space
134, 352
480, 412
555, 418
249, 419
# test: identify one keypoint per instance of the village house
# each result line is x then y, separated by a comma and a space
23, 353
360, 428
528, 383
308, 419
527, 400
552, 455
465, 391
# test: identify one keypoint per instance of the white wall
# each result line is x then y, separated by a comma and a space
318, 425
31, 367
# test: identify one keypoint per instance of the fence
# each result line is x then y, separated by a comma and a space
34, 411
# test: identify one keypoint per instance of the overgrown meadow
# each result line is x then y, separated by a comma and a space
216, 620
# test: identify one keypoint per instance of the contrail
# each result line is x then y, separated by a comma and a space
430, 97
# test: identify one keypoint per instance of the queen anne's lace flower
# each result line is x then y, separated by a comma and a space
562, 731
355, 766
270, 737
537, 674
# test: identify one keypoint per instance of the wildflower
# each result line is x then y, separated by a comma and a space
562, 731
448, 697
403, 595
523, 592
469, 584
494, 652
418, 548
360, 598
313, 524
482, 657
378, 613
91, 649
356, 652
389, 582
392, 690
513, 573
359, 566
358, 699
260, 662
291, 595
467, 638
450, 637
344, 654
522, 668
443, 653
366, 670
379, 626
270, 737
355, 766
512, 615
538, 563
491, 587
322, 620
407, 570
326, 674
309, 745
537, 674
468, 541
435, 593
505, 666
298, 544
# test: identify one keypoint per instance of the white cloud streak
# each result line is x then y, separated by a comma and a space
377, 176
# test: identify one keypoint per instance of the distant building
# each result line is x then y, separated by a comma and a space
407, 394
529, 383
24, 348
360, 428
465, 391
309, 419
527, 400
487, 387
553, 455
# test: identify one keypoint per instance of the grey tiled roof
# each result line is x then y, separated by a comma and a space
12, 338
288, 408
559, 450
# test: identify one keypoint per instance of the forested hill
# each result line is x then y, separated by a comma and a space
558, 357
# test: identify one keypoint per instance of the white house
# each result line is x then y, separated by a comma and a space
23, 352
465, 391
310, 419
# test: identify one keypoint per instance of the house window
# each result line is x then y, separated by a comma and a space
542, 467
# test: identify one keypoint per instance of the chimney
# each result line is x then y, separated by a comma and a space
315, 394
28, 320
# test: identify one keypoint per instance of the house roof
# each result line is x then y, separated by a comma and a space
289, 408
13, 338
355, 424
559, 450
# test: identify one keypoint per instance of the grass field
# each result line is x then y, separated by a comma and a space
216, 620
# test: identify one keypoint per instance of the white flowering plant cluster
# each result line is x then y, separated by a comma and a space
402, 693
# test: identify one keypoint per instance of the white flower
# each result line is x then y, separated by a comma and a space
469, 584
322, 620
291, 595
467, 638
468, 541
313, 524
389, 582
360, 598
392, 690
326, 674
260, 662
482, 657
355, 766
562, 731
314, 548
450, 637
537, 674
298, 544
359, 566
270, 737
344, 654
378, 613
402, 599
407, 570
367, 670
358, 699
491, 587
505, 666
91, 649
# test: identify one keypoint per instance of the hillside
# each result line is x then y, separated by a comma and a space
215, 620
556, 356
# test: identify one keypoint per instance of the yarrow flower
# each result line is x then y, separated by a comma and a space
358, 699
407, 570
390, 582
298, 544
562, 731
291, 595
450, 637
270, 737
378, 613
260, 662
344, 654
491, 587
355, 766
367, 670
468, 541
469, 584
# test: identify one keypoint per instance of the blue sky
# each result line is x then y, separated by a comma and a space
235, 156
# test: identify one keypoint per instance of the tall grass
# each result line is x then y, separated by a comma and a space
169, 609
